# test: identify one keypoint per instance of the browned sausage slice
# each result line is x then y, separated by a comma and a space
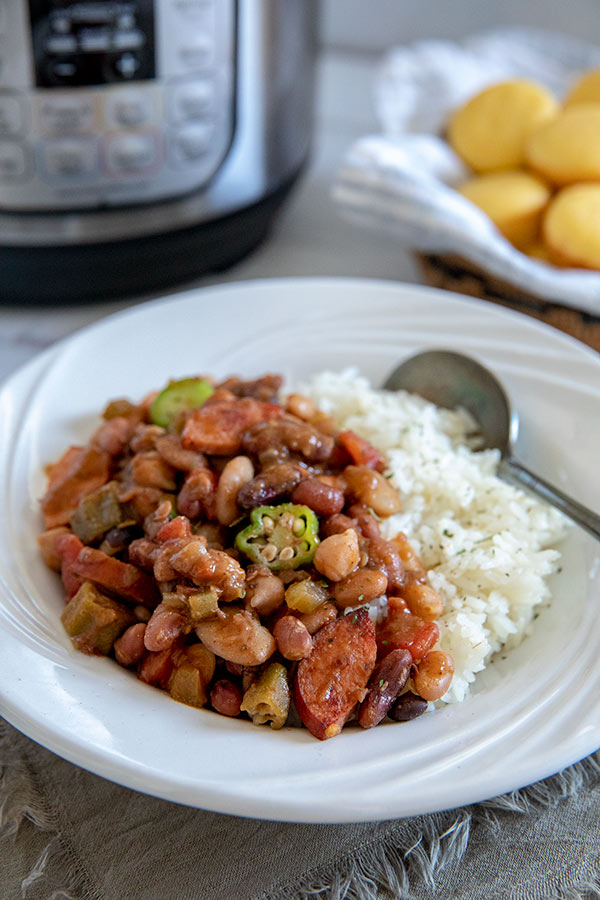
333, 679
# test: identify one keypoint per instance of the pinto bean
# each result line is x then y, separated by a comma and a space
337, 524
198, 494
226, 697
292, 638
407, 707
322, 498
414, 568
163, 628
300, 406
169, 447
423, 601
238, 472
337, 556
237, 635
264, 590
130, 647
434, 675
386, 682
294, 434
372, 489
362, 586
384, 556
321, 616
367, 523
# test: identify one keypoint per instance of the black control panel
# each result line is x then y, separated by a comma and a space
89, 42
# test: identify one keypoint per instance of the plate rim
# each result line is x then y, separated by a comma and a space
101, 762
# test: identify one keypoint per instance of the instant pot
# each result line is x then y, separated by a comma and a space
144, 142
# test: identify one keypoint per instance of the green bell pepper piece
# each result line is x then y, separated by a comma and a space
177, 397
280, 537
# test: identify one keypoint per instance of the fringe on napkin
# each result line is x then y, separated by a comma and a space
54, 874
376, 870
386, 870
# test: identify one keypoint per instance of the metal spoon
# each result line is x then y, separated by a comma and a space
451, 380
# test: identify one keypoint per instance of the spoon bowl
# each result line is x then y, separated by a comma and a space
452, 380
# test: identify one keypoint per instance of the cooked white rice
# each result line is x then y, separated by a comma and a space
484, 543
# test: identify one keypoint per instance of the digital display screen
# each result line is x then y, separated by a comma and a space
88, 42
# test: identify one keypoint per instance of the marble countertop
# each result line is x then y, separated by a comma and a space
309, 237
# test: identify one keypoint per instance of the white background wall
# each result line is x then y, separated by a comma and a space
377, 24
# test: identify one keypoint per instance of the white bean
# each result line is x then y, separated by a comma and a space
238, 472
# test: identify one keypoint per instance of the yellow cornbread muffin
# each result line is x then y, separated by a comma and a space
513, 200
490, 131
571, 226
586, 89
538, 250
567, 149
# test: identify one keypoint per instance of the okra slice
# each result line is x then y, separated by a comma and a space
177, 397
280, 537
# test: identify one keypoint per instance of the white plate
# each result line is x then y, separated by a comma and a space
531, 714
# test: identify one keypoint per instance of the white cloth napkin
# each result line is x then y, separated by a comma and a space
401, 181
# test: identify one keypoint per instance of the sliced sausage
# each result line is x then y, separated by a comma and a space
333, 679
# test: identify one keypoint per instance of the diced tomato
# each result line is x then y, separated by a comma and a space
68, 547
218, 427
179, 527
115, 576
404, 631
361, 451
156, 668
78, 472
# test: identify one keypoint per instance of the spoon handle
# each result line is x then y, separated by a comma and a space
511, 469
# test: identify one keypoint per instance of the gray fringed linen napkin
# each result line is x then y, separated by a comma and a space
69, 835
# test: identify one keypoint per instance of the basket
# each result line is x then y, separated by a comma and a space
452, 273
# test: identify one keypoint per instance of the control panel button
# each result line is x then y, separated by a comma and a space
128, 154
61, 43
71, 158
60, 24
128, 40
192, 8
126, 65
191, 100
197, 54
13, 161
66, 114
94, 40
11, 115
128, 107
192, 142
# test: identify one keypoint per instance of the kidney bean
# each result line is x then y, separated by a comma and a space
423, 601
272, 484
264, 590
337, 556
226, 698
372, 489
359, 587
386, 682
129, 648
322, 498
434, 675
292, 638
238, 472
407, 707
